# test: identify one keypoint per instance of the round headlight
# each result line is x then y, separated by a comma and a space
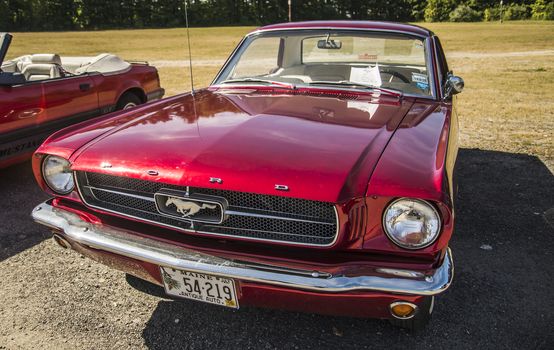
57, 174
411, 223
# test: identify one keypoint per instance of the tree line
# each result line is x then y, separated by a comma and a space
54, 15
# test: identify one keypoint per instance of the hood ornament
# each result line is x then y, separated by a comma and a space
191, 208
152, 173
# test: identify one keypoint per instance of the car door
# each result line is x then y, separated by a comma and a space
69, 100
20, 107
32, 111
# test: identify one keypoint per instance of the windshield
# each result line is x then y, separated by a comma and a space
332, 58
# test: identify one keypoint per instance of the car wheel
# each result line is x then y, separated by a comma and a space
421, 318
128, 100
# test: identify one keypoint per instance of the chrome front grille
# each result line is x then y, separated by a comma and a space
249, 215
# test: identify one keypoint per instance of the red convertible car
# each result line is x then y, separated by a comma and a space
315, 174
42, 93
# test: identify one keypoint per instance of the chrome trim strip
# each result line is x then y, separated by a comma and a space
337, 232
264, 231
120, 193
354, 29
275, 213
122, 243
242, 213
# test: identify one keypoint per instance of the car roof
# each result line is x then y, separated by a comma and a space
369, 25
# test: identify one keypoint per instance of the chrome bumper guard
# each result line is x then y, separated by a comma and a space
119, 242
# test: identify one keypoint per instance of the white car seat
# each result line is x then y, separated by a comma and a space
34, 72
43, 67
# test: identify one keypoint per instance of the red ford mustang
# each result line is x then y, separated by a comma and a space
42, 93
316, 173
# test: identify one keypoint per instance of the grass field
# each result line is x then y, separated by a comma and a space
508, 103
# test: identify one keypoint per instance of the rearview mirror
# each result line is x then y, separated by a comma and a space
329, 44
454, 85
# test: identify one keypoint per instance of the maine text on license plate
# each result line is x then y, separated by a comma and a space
200, 287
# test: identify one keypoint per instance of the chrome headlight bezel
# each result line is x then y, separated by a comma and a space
65, 171
402, 245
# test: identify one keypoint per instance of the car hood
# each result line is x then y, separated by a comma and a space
320, 147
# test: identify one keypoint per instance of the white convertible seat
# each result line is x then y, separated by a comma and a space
41, 71
22, 62
9, 67
49, 58
44, 66
104, 63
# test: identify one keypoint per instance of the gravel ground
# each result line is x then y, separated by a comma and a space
501, 297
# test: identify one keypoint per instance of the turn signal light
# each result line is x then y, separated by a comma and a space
403, 310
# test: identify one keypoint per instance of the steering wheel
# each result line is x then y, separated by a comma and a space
397, 75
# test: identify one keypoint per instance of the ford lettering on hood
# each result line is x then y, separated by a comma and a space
320, 147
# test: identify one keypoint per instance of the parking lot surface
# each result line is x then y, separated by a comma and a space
501, 297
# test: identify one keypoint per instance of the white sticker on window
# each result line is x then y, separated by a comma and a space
366, 75
419, 78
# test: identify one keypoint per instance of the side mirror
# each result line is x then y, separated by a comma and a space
329, 44
454, 85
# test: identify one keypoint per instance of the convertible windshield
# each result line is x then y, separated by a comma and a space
332, 58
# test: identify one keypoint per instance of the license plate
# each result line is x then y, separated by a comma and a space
200, 286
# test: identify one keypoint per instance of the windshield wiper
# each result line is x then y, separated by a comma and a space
255, 80
393, 92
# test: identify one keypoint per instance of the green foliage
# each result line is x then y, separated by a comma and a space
542, 10
38, 15
4, 14
492, 14
417, 8
515, 12
439, 10
464, 13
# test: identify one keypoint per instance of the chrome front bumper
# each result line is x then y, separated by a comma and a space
119, 242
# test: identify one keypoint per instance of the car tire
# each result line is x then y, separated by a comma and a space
128, 100
420, 319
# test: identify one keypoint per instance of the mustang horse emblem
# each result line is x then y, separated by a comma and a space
187, 208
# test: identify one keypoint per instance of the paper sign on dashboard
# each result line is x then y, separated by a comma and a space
366, 75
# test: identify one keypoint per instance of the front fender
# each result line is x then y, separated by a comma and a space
418, 162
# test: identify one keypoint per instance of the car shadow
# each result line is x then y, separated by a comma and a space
19, 195
503, 252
